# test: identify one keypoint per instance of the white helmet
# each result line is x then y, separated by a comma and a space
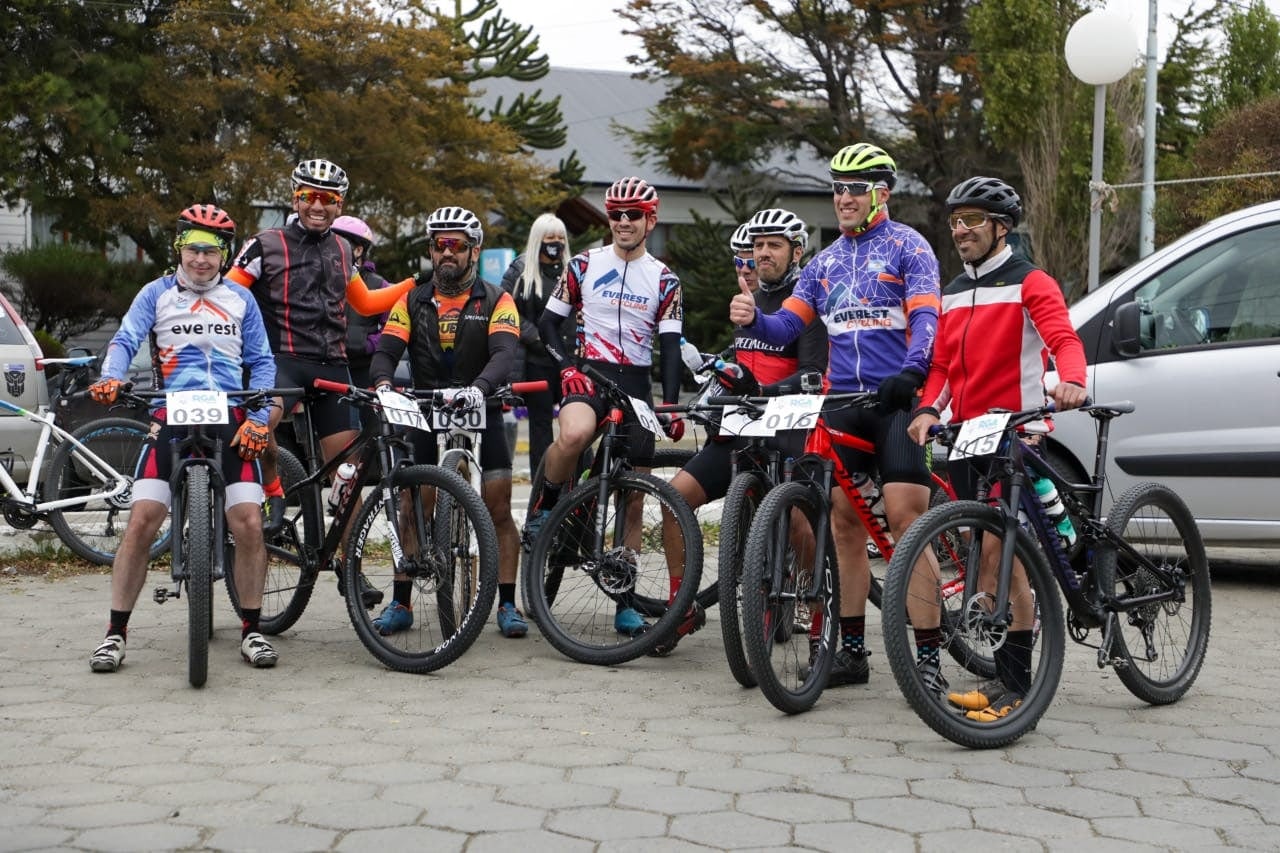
741, 240
321, 174
456, 219
784, 223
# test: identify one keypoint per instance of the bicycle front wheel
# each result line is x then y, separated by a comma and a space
593, 561
289, 581
451, 564
1026, 645
1158, 647
93, 530
790, 618
197, 566
745, 495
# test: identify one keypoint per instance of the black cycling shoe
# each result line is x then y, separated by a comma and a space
849, 667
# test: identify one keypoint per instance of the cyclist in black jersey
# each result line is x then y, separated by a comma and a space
302, 277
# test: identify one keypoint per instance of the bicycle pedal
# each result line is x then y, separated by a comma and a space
370, 597
164, 593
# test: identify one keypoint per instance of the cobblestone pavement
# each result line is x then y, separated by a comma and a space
517, 748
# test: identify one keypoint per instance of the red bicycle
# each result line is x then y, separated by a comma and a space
787, 593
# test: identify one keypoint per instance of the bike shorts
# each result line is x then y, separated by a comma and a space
634, 380
897, 458
155, 464
495, 455
712, 466
330, 414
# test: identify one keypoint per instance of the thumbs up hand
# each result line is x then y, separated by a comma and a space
742, 308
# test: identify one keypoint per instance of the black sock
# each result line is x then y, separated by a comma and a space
402, 592
118, 623
852, 630
928, 641
249, 621
1017, 661
507, 594
550, 494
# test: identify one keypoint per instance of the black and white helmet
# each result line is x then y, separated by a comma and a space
741, 240
456, 219
321, 174
776, 221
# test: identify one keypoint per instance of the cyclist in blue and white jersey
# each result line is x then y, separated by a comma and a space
877, 290
204, 334
622, 296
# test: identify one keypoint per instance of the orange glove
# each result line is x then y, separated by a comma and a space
252, 438
105, 391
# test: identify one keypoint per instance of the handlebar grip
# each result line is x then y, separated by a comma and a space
531, 387
671, 408
329, 385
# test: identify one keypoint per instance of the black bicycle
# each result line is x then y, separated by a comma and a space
392, 537
202, 551
602, 550
1139, 577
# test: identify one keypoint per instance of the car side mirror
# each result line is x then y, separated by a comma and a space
1126, 329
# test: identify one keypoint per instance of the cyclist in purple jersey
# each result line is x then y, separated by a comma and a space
876, 288
204, 334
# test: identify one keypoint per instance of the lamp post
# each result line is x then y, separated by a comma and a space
1147, 231
1100, 49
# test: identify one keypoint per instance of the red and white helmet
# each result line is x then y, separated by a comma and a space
631, 192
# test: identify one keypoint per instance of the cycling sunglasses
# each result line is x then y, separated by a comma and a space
311, 196
457, 245
749, 263
628, 215
853, 187
970, 221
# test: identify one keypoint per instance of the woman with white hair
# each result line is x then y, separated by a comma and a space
530, 279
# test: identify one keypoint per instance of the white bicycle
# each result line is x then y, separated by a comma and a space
84, 490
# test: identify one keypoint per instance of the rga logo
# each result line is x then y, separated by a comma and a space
15, 378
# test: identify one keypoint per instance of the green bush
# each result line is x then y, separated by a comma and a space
50, 346
65, 291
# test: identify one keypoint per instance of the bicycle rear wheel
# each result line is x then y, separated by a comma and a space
941, 687
777, 586
93, 530
290, 581
745, 495
197, 566
575, 590
452, 564
1158, 647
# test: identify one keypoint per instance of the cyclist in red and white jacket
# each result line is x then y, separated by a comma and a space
997, 317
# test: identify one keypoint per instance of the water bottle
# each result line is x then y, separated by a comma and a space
690, 356
342, 480
1053, 506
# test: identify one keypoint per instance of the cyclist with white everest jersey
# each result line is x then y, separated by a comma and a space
622, 296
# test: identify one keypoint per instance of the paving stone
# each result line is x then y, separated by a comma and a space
976, 839
853, 836
600, 824
560, 795
735, 780
1083, 802
138, 837
83, 793
277, 839
484, 817
729, 830
673, 799
964, 793
403, 839
370, 814
905, 814
119, 813
1163, 833
1015, 820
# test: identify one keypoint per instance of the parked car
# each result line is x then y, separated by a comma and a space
24, 385
1191, 334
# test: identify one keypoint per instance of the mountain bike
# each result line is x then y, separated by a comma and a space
448, 615
84, 492
1141, 580
201, 548
601, 549
782, 590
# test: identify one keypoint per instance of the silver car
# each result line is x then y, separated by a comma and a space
1191, 334
25, 386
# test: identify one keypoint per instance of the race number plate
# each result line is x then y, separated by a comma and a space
444, 419
739, 421
192, 408
980, 436
794, 411
401, 410
648, 420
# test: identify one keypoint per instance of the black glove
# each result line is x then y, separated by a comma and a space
899, 391
422, 279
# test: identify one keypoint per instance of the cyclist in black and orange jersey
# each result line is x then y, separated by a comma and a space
622, 296
779, 239
302, 277
461, 332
